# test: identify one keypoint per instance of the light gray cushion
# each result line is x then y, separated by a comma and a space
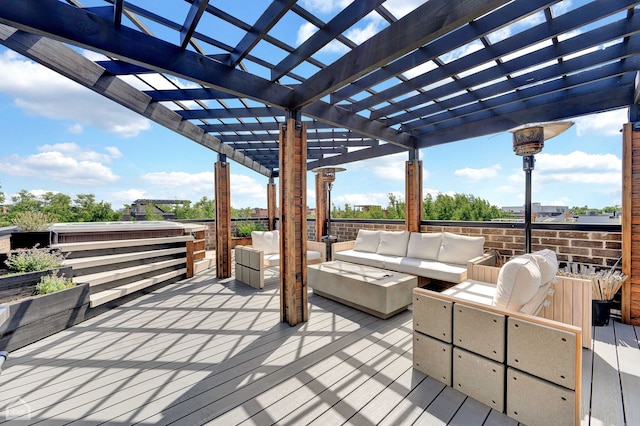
266, 241
367, 241
393, 243
473, 291
459, 249
424, 246
518, 282
427, 268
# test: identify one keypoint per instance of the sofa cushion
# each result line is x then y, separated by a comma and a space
424, 246
532, 306
427, 268
272, 259
266, 241
363, 258
547, 262
459, 249
393, 243
313, 255
518, 281
367, 241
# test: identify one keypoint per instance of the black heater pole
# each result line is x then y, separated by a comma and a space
527, 165
329, 187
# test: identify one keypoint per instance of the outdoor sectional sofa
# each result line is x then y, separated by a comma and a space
251, 261
487, 338
436, 255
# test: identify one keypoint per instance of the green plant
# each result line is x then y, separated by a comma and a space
33, 259
244, 229
32, 221
52, 283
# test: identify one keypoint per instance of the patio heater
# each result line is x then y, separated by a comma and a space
528, 140
327, 177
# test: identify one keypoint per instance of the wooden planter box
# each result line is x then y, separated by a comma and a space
37, 317
240, 241
18, 286
28, 239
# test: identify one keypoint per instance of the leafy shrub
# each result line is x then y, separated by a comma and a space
33, 259
52, 283
32, 221
244, 229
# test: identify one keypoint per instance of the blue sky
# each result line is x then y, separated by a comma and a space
59, 136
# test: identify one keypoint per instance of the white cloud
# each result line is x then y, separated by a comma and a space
76, 152
365, 199
245, 191
127, 196
478, 174
390, 167
42, 92
57, 166
325, 6
76, 129
399, 8
360, 35
604, 124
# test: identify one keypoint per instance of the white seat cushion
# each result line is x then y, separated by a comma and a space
271, 259
313, 255
459, 249
367, 241
267, 242
363, 258
393, 243
473, 291
424, 246
427, 268
518, 281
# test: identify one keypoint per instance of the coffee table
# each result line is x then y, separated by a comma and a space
376, 291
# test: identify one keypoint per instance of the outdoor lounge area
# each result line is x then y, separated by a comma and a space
291, 93
205, 349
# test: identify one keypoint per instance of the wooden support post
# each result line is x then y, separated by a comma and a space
630, 220
190, 260
271, 204
223, 219
293, 222
413, 195
321, 206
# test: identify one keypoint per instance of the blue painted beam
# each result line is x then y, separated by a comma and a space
426, 23
325, 136
256, 127
276, 10
231, 113
458, 38
191, 21
562, 24
449, 118
117, 12
188, 94
612, 93
613, 53
340, 23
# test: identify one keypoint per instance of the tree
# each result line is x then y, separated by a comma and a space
58, 207
86, 209
2, 198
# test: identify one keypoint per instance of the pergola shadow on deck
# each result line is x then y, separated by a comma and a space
209, 350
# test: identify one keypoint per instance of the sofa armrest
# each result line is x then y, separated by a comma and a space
342, 246
318, 246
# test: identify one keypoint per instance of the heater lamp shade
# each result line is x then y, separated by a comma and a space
528, 141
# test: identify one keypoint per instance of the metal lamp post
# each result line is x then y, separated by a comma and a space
528, 140
327, 176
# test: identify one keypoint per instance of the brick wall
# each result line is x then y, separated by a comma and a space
574, 246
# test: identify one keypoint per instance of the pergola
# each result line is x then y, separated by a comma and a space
239, 84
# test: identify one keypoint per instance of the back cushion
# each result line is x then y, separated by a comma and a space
547, 262
367, 241
424, 246
266, 241
393, 243
459, 249
518, 282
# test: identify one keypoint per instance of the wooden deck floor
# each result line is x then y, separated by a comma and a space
208, 351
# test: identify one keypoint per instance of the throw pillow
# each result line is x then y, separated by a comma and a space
518, 282
367, 241
459, 249
547, 262
266, 241
424, 246
393, 243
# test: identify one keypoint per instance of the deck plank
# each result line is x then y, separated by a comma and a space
629, 360
606, 395
207, 350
